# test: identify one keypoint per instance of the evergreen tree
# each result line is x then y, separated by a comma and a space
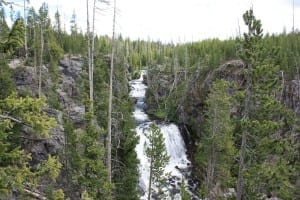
124, 139
15, 171
86, 170
4, 29
93, 174
216, 148
125, 176
156, 153
14, 41
58, 32
264, 155
74, 48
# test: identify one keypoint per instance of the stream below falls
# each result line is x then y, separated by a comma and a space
178, 168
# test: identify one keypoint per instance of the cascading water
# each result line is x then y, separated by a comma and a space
178, 167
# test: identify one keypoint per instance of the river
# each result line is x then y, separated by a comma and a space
178, 167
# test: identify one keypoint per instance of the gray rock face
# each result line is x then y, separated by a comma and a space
68, 92
70, 70
71, 66
25, 79
68, 86
76, 115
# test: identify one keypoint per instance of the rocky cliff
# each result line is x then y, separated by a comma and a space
66, 93
189, 109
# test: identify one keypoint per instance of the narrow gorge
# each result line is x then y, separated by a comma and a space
178, 169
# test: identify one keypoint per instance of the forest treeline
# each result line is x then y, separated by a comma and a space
237, 102
255, 150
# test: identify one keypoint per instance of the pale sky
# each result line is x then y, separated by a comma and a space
180, 20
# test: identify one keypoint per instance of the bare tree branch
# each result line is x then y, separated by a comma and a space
35, 194
11, 119
14, 120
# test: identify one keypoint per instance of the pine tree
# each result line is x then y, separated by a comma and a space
124, 139
14, 40
58, 29
86, 170
4, 29
15, 172
216, 148
264, 155
76, 42
157, 154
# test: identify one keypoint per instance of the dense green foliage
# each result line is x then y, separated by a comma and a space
183, 87
267, 155
14, 40
216, 149
16, 174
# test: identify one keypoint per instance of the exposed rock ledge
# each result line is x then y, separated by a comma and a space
26, 79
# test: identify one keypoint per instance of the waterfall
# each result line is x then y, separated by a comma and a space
179, 167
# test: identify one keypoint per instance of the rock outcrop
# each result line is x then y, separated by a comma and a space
232, 71
67, 91
191, 101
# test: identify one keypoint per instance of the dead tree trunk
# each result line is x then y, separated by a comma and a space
35, 52
89, 56
110, 97
41, 62
25, 32
92, 59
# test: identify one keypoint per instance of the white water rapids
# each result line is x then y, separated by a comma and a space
179, 167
